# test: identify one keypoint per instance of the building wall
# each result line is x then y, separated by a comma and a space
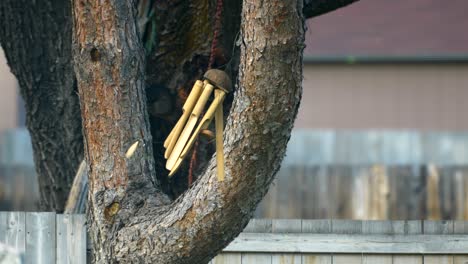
8, 96
350, 96
385, 96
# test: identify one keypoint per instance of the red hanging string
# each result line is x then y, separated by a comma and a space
217, 28
214, 44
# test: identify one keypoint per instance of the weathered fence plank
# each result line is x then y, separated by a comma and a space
316, 259
350, 243
343, 227
318, 227
49, 238
460, 259
286, 226
256, 258
254, 226
71, 239
377, 227
228, 258
40, 238
408, 228
325, 174
347, 259
13, 230
286, 259
407, 259
370, 192
439, 228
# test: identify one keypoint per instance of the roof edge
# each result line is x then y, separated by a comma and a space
417, 59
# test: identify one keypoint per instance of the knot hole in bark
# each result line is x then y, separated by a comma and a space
95, 55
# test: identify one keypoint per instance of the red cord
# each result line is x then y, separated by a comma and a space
217, 28
214, 44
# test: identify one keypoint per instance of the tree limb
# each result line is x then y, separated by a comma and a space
130, 221
314, 8
212, 213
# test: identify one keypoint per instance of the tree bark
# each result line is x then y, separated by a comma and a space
36, 38
131, 221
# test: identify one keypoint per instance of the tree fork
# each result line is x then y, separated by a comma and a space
130, 220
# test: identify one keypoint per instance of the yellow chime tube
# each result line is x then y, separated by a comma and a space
182, 137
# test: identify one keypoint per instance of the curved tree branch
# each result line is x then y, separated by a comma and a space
314, 8
130, 220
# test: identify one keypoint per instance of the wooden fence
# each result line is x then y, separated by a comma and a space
368, 192
375, 175
49, 238
325, 174
45, 238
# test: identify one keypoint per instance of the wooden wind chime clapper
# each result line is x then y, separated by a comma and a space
184, 134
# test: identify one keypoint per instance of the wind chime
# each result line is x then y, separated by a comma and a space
184, 134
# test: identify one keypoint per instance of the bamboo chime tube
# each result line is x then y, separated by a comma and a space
186, 111
189, 126
183, 136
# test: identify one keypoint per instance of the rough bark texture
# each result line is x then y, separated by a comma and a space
131, 221
314, 8
36, 37
110, 74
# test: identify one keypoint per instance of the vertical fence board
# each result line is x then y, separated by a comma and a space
438, 259
310, 204
286, 259
377, 227
71, 239
460, 259
256, 258
459, 195
447, 192
460, 227
346, 227
228, 258
257, 226
360, 197
368, 192
322, 187
376, 259
286, 226
407, 259
407, 228
317, 227
347, 259
40, 238
465, 187
283, 181
316, 259
13, 230
438, 228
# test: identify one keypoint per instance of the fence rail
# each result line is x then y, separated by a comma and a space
55, 238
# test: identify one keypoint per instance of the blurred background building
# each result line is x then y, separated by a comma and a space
381, 131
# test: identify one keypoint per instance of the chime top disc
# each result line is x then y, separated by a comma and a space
220, 79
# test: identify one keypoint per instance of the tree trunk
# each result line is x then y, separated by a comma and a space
36, 37
130, 219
